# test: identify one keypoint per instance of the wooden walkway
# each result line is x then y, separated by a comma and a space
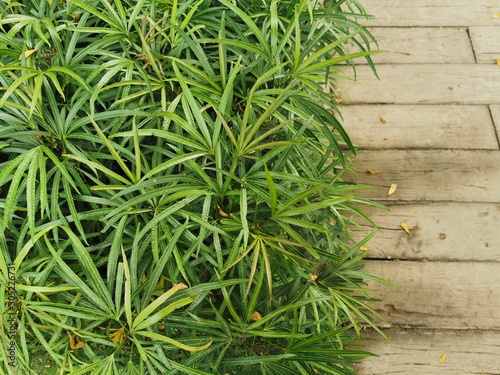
431, 125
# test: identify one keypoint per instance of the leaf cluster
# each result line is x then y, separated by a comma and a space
170, 186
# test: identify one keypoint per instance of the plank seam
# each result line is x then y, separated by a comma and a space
434, 260
424, 200
430, 149
420, 329
495, 130
472, 45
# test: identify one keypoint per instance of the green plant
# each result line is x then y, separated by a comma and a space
170, 187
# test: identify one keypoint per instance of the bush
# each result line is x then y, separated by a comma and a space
171, 198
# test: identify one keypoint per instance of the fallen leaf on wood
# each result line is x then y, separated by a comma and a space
496, 15
392, 189
498, 61
489, 6
405, 227
442, 358
256, 316
383, 121
338, 100
362, 248
372, 171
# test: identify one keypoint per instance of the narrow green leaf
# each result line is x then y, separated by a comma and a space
145, 313
273, 197
12, 194
99, 167
168, 340
127, 298
31, 184
151, 319
113, 151
306, 208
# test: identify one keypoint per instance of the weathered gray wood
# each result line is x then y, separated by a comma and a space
438, 231
495, 113
419, 351
429, 175
420, 126
433, 45
450, 295
431, 12
486, 43
425, 84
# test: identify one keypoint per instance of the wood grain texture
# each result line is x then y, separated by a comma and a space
431, 125
433, 45
429, 175
449, 295
420, 126
438, 231
424, 84
486, 43
432, 12
419, 351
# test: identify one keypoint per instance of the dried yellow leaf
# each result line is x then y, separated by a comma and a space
392, 189
27, 53
405, 227
180, 286
74, 344
222, 213
362, 248
496, 15
372, 171
442, 358
498, 62
489, 6
118, 336
314, 277
256, 316
383, 121
338, 100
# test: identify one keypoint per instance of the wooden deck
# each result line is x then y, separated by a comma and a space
431, 125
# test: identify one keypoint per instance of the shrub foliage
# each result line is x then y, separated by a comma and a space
171, 199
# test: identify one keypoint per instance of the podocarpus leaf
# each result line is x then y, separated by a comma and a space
173, 342
96, 292
154, 277
145, 318
13, 193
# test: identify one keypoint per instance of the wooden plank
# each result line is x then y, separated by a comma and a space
424, 84
419, 351
449, 295
422, 45
438, 231
432, 13
486, 43
495, 113
429, 175
420, 126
